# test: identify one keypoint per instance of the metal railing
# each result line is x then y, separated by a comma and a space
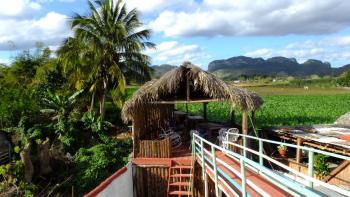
205, 152
309, 177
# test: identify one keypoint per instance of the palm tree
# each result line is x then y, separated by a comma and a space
107, 45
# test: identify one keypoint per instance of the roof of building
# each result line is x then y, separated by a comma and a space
188, 83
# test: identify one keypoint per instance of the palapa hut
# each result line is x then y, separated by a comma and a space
152, 106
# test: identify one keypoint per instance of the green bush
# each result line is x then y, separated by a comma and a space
13, 175
95, 164
344, 79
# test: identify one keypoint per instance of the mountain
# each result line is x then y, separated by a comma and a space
161, 69
246, 66
340, 70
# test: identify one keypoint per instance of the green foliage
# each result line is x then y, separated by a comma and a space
97, 125
344, 79
19, 85
321, 165
95, 164
17, 149
13, 175
60, 108
285, 110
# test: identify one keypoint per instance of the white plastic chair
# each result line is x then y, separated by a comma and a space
227, 135
175, 138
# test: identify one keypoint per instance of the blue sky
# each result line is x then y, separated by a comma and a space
198, 30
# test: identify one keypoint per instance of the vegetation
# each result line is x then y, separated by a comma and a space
108, 43
285, 109
321, 165
62, 142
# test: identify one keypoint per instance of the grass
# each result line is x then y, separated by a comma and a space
285, 106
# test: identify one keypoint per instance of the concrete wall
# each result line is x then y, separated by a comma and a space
120, 186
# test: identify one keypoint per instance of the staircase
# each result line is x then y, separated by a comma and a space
180, 174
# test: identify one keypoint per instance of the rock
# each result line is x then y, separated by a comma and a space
344, 120
27, 162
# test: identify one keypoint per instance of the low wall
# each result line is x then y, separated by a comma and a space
119, 184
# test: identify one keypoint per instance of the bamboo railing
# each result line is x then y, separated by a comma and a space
155, 148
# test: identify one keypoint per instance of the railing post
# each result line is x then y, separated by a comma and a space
206, 193
245, 146
193, 147
215, 171
244, 193
203, 162
261, 148
311, 168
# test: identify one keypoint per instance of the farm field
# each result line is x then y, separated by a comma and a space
285, 106
294, 91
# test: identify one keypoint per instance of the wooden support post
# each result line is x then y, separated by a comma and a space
187, 88
298, 154
232, 118
205, 111
244, 123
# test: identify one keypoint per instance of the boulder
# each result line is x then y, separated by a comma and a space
344, 120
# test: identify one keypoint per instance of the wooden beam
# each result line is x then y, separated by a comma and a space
336, 171
298, 154
245, 122
187, 101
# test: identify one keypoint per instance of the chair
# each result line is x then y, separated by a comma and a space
226, 134
174, 137
221, 136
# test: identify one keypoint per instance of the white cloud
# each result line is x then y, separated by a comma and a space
18, 32
4, 61
151, 6
17, 8
172, 52
244, 17
334, 48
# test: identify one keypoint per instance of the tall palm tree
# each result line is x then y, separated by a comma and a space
107, 45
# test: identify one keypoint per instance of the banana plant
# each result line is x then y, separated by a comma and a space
60, 107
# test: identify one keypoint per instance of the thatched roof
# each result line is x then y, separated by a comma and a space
172, 86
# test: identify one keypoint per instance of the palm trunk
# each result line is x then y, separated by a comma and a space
92, 102
103, 100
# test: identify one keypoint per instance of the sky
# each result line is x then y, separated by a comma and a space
199, 31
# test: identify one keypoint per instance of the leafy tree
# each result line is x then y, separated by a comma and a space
110, 39
344, 79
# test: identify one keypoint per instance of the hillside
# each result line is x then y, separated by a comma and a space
161, 69
237, 66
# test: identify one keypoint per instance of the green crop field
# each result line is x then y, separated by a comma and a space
285, 106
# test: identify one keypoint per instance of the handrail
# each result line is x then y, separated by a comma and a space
198, 141
295, 146
308, 177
